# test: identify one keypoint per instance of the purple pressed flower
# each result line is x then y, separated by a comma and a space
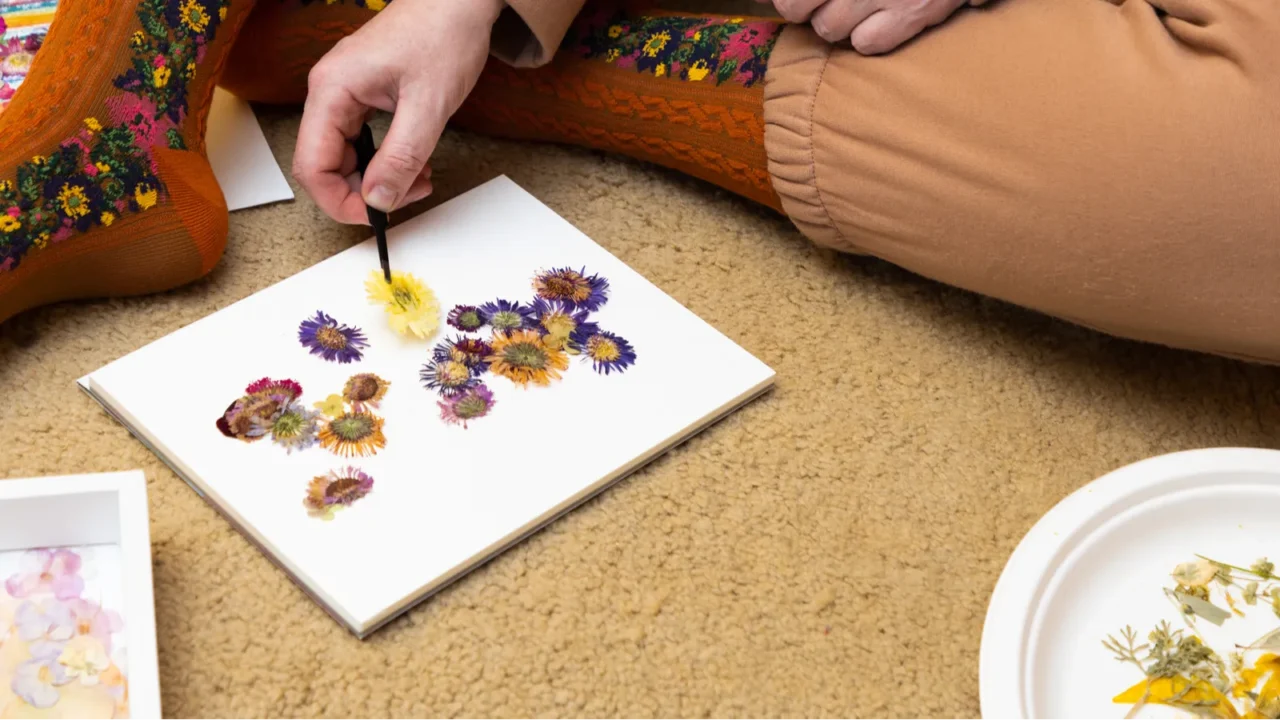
47, 571
468, 351
573, 287
506, 316
467, 318
447, 377
557, 320
606, 351
471, 404
37, 680
331, 341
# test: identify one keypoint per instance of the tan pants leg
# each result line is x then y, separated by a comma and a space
1114, 165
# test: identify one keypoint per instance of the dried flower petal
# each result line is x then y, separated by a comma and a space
1195, 574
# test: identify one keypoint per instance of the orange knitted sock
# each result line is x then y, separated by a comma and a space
684, 92
284, 39
104, 187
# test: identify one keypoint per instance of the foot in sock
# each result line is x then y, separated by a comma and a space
684, 92
104, 187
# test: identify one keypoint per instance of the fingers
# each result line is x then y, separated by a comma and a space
797, 11
835, 21
396, 172
885, 30
323, 158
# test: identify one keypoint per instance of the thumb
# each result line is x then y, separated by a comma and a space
415, 130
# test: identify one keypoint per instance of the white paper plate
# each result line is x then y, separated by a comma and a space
1097, 562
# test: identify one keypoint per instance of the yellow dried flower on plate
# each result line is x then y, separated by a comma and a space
411, 306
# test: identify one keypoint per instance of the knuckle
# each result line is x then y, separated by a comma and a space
791, 10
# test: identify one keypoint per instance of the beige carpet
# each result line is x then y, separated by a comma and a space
827, 551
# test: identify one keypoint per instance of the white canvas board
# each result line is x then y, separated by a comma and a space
241, 159
77, 616
443, 495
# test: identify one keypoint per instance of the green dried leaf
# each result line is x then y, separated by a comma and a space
1203, 608
1269, 642
1251, 593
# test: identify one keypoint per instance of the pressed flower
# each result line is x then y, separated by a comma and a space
336, 490
447, 377
505, 315
1195, 574
267, 386
557, 320
37, 680
523, 358
293, 427
468, 351
42, 571
470, 404
410, 305
606, 351
331, 406
84, 658
353, 433
467, 318
575, 288
332, 341
364, 390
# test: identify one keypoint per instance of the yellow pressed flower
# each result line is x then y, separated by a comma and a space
331, 406
615, 31
73, 201
193, 16
93, 124
9, 223
698, 70
353, 434
1182, 690
160, 77
102, 167
145, 196
108, 218
375, 5
411, 306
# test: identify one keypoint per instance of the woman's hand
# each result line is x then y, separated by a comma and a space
418, 59
873, 26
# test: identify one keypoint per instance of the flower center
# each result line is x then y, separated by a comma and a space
343, 490
363, 388
471, 406
526, 355
506, 320
404, 297
45, 675
454, 373
84, 627
603, 349
352, 428
469, 320
331, 338
288, 425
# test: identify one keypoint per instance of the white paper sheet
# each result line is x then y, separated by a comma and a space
242, 161
443, 495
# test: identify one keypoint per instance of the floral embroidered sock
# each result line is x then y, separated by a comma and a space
284, 39
104, 187
680, 91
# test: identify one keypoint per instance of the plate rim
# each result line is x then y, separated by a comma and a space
1014, 599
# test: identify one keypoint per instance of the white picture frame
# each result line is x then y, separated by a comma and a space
96, 509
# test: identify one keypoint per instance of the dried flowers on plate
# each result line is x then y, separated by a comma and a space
1180, 668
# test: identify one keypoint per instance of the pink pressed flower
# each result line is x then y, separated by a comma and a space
47, 571
14, 211
90, 618
159, 61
